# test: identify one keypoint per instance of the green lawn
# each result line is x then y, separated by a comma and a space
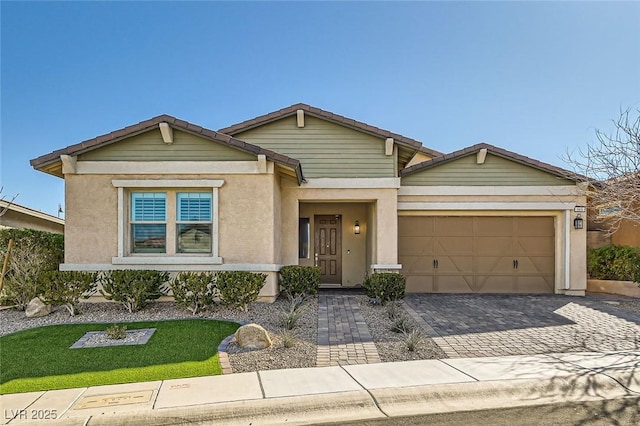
40, 358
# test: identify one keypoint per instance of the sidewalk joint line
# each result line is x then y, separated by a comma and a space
264, 395
375, 401
443, 360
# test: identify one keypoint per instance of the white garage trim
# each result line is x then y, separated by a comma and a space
484, 206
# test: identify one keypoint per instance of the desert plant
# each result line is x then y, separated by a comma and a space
116, 332
194, 290
133, 289
394, 310
401, 325
66, 288
411, 339
239, 288
288, 340
385, 286
620, 263
291, 316
299, 281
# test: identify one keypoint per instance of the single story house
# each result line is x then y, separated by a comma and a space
17, 216
304, 186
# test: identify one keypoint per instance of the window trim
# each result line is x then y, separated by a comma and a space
173, 185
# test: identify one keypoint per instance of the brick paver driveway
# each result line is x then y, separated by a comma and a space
466, 325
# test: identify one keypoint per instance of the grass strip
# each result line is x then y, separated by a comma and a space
40, 359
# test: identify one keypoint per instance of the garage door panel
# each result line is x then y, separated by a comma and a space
420, 283
494, 226
455, 264
535, 227
454, 284
493, 246
412, 265
534, 284
448, 226
416, 245
415, 226
494, 284
542, 265
486, 265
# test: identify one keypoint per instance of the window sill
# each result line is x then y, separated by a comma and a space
167, 260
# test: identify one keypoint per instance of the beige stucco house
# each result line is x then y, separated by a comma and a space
303, 186
18, 216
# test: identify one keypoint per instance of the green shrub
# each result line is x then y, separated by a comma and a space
620, 263
299, 281
385, 286
33, 253
239, 288
67, 287
116, 332
133, 289
194, 290
401, 325
412, 339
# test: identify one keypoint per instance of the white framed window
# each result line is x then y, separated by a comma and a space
193, 222
148, 221
167, 221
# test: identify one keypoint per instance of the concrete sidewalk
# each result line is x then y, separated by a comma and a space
339, 393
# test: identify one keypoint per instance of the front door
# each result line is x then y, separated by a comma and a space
328, 248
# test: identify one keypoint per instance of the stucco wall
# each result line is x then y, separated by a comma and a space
13, 219
246, 217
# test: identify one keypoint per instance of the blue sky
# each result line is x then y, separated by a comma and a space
533, 77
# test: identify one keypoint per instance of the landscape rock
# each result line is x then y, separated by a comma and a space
37, 308
252, 336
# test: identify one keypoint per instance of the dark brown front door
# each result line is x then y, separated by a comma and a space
328, 248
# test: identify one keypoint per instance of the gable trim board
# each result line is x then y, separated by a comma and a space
261, 193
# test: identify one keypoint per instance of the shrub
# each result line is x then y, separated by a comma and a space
239, 288
33, 253
385, 286
411, 339
619, 263
194, 290
288, 340
133, 289
67, 287
299, 281
116, 332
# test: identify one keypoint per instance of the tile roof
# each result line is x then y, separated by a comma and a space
566, 174
329, 116
175, 123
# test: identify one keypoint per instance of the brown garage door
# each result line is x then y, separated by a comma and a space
447, 254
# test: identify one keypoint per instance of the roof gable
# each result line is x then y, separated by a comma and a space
44, 162
500, 167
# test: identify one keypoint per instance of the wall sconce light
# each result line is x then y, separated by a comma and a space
356, 227
578, 222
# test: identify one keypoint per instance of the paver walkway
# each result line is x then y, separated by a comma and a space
498, 325
343, 335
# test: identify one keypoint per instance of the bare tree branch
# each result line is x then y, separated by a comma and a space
4, 209
611, 168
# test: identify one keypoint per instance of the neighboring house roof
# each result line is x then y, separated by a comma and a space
143, 126
557, 171
24, 217
328, 116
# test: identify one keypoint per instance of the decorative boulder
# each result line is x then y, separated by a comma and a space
252, 336
37, 308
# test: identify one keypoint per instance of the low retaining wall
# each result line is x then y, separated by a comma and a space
623, 288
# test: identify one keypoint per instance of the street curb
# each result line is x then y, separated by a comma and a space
306, 409
473, 396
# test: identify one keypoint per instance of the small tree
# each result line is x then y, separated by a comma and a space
611, 168
67, 288
133, 289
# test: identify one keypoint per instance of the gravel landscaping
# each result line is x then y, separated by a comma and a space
292, 349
